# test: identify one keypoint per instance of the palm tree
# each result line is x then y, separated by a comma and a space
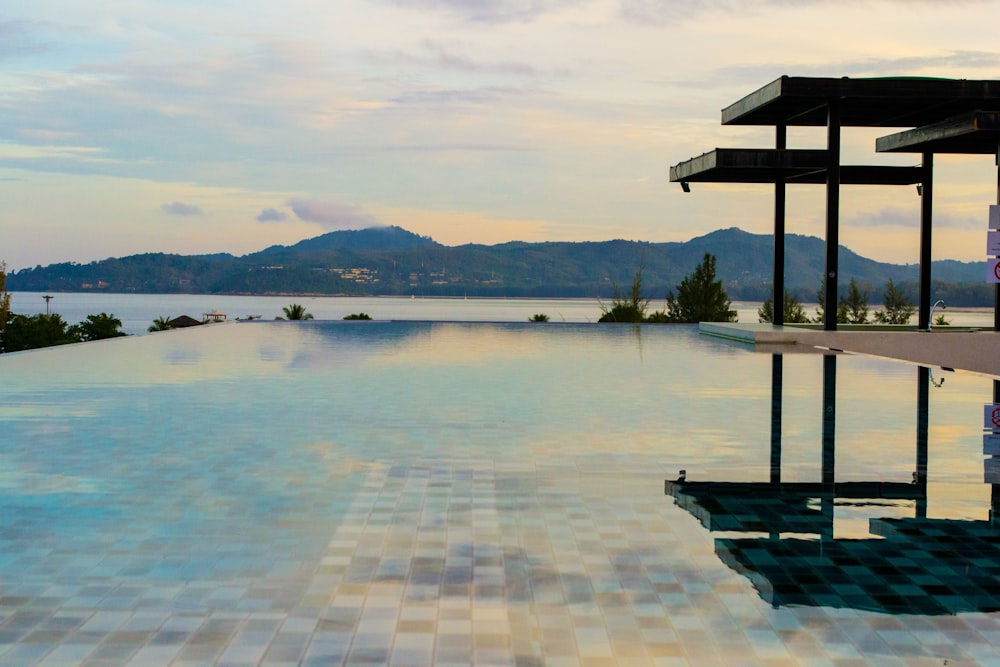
161, 323
297, 311
4, 297
98, 327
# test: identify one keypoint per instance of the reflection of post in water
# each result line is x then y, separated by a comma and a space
920, 476
637, 332
829, 441
776, 376
955, 561
995, 488
776, 381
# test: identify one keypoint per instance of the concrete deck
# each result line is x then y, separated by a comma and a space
959, 349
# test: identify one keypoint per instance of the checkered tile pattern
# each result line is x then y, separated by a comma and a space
454, 565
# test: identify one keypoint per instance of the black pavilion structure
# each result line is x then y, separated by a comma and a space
945, 116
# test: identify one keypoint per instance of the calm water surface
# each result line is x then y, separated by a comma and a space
456, 493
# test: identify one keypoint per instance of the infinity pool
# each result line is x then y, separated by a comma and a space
317, 493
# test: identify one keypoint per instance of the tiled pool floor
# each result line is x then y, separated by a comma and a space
378, 536
459, 564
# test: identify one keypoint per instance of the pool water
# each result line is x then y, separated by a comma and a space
285, 493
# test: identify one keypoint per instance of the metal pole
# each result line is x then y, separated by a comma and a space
926, 202
778, 285
920, 477
995, 488
829, 443
832, 214
996, 289
776, 380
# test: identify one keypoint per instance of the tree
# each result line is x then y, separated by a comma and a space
627, 308
4, 301
297, 312
700, 297
98, 327
161, 323
27, 332
821, 307
793, 311
898, 307
352, 316
855, 304
539, 317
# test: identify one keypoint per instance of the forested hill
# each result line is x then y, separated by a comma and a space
393, 261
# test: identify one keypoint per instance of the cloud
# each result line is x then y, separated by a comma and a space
333, 215
272, 215
494, 11
767, 72
445, 56
180, 208
20, 38
661, 12
887, 217
970, 222
449, 98
910, 218
133, 109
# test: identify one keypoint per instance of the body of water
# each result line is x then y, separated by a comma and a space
326, 493
137, 311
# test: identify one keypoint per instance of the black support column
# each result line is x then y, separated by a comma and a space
832, 214
778, 284
926, 208
923, 414
828, 465
996, 290
995, 488
776, 391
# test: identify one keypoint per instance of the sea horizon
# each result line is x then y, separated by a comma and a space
137, 311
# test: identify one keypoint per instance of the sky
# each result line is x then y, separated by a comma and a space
202, 126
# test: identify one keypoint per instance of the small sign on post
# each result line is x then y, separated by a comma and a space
994, 216
991, 444
993, 243
993, 271
991, 417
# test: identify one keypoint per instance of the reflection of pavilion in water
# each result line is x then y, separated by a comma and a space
920, 566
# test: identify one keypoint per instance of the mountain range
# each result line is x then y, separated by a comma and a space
394, 261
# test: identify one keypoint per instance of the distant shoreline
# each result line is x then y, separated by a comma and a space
317, 295
138, 310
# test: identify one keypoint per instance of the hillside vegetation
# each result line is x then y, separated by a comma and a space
393, 261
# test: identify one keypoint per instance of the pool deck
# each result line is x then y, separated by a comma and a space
977, 351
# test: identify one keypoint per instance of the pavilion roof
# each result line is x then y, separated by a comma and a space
769, 165
864, 102
976, 132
